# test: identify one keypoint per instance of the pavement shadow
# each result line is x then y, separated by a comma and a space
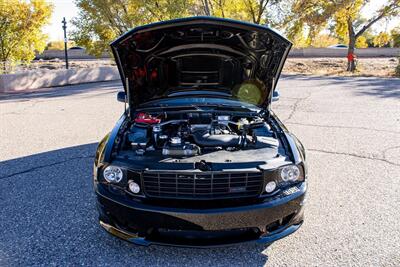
383, 88
371, 86
63, 90
48, 217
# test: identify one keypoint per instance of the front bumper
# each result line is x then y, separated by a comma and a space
145, 224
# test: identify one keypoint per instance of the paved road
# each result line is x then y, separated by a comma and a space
350, 127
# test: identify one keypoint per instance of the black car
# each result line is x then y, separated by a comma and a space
198, 158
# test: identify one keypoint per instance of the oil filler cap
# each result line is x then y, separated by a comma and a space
202, 165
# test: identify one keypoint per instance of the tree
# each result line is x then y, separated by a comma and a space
310, 16
382, 39
364, 41
348, 14
101, 21
361, 42
223, 8
249, 10
369, 38
21, 24
395, 37
58, 45
324, 40
257, 9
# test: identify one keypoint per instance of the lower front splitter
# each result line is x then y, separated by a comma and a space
143, 241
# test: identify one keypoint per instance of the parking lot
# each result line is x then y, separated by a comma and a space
349, 126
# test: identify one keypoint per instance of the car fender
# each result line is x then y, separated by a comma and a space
106, 145
295, 146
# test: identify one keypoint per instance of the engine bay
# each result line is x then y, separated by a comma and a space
179, 135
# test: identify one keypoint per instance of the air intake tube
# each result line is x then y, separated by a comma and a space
205, 139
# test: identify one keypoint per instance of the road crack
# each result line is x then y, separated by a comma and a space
342, 127
353, 155
45, 166
296, 105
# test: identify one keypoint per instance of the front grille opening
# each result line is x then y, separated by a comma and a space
204, 238
278, 224
207, 185
203, 203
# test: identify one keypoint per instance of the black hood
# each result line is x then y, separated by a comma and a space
202, 56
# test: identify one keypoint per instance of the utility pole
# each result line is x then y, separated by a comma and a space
64, 22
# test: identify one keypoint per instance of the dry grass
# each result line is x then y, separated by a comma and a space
376, 67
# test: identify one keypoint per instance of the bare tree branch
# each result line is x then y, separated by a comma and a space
383, 12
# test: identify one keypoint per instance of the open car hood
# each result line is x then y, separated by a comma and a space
202, 56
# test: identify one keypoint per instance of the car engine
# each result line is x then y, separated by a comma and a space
194, 133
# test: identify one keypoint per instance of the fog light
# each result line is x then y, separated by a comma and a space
270, 187
134, 187
113, 174
290, 173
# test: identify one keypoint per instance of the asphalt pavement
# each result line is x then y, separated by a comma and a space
349, 126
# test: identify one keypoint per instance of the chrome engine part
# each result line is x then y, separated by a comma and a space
188, 137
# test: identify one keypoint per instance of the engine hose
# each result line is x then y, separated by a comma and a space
224, 140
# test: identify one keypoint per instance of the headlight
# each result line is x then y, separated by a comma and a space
290, 173
113, 174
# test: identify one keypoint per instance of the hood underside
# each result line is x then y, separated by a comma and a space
201, 56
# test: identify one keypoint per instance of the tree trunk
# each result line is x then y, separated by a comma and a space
206, 8
386, 11
3, 57
351, 66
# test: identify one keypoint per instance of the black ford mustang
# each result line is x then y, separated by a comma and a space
198, 158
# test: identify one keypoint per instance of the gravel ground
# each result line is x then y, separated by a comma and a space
374, 67
350, 127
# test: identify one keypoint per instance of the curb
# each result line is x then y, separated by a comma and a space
30, 80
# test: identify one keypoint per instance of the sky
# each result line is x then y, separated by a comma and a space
67, 9
62, 8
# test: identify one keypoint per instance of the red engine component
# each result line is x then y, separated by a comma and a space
146, 118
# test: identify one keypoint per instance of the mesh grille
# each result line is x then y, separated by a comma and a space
208, 185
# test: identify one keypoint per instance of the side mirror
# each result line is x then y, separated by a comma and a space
121, 97
275, 95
